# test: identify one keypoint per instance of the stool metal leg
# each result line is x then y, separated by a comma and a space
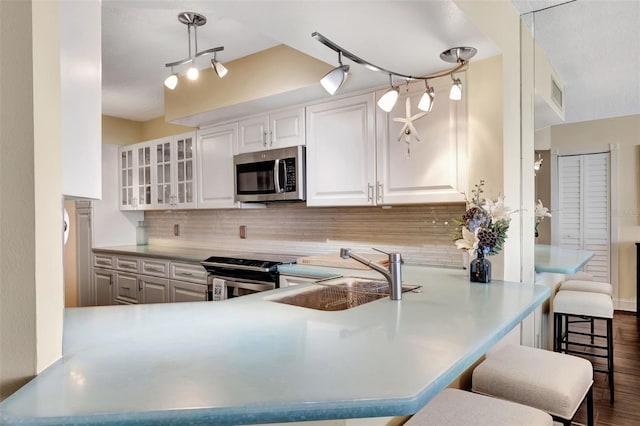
590, 407
610, 356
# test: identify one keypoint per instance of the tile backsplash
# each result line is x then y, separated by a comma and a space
419, 232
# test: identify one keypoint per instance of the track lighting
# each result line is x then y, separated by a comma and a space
194, 20
455, 94
336, 77
426, 101
388, 100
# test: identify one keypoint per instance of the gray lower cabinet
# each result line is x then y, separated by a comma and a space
103, 279
127, 287
127, 280
182, 291
154, 290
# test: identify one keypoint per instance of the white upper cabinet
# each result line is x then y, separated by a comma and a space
158, 174
135, 176
278, 129
216, 146
173, 172
81, 97
432, 169
341, 152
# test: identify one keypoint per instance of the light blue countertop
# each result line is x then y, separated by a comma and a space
560, 260
248, 360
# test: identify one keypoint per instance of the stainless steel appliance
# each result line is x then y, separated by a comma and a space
242, 275
273, 175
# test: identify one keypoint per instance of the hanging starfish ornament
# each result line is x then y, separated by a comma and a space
408, 129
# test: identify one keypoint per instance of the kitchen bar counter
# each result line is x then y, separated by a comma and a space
560, 260
248, 360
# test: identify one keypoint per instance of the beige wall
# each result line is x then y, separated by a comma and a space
118, 131
159, 128
597, 136
269, 72
17, 203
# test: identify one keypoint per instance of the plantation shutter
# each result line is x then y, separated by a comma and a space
584, 209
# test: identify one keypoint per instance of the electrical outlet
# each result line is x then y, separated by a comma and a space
243, 231
176, 230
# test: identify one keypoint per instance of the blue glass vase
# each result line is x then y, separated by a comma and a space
480, 268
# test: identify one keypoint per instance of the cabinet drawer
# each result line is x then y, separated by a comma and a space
193, 272
127, 287
187, 292
157, 268
129, 264
103, 260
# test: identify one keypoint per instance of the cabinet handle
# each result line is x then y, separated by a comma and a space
185, 273
150, 268
379, 195
103, 262
264, 138
370, 192
270, 137
139, 284
110, 279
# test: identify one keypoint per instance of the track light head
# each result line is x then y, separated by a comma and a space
192, 73
426, 101
388, 100
220, 69
455, 94
171, 82
335, 78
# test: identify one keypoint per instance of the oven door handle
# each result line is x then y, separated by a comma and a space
248, 286
228, 266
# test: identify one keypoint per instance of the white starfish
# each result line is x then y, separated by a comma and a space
409, 128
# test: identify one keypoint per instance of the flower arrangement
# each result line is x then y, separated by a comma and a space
483, 227
541, 213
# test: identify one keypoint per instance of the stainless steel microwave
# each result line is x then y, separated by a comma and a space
273, 175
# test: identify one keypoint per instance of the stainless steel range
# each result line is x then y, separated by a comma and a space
246, 274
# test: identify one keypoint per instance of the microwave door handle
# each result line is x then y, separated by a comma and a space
276, 176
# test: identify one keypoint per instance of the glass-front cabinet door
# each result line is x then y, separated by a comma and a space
163, 181
185, 180
144, 176
128, 201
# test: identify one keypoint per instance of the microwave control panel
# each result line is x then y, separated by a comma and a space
290, 173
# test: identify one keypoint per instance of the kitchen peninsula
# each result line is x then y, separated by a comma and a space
249, 360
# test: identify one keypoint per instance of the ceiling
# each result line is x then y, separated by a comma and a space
139, 37
593, 45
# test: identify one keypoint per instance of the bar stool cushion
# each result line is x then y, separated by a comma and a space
582, 303
550, 381
580, 275
455, 407
590, 286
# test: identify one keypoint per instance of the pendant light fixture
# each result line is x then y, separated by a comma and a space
388, 100
458, 55
335, 78
193, 20
426, 101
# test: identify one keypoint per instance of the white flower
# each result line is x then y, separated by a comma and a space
541, 211
497, 211
469, 240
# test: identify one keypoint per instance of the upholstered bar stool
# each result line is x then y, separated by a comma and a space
455, 407
552, 382
586, 306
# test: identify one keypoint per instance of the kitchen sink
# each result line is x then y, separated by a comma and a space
337, 294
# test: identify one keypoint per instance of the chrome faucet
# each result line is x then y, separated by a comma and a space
393, 275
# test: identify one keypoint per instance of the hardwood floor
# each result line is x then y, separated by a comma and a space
626, 409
